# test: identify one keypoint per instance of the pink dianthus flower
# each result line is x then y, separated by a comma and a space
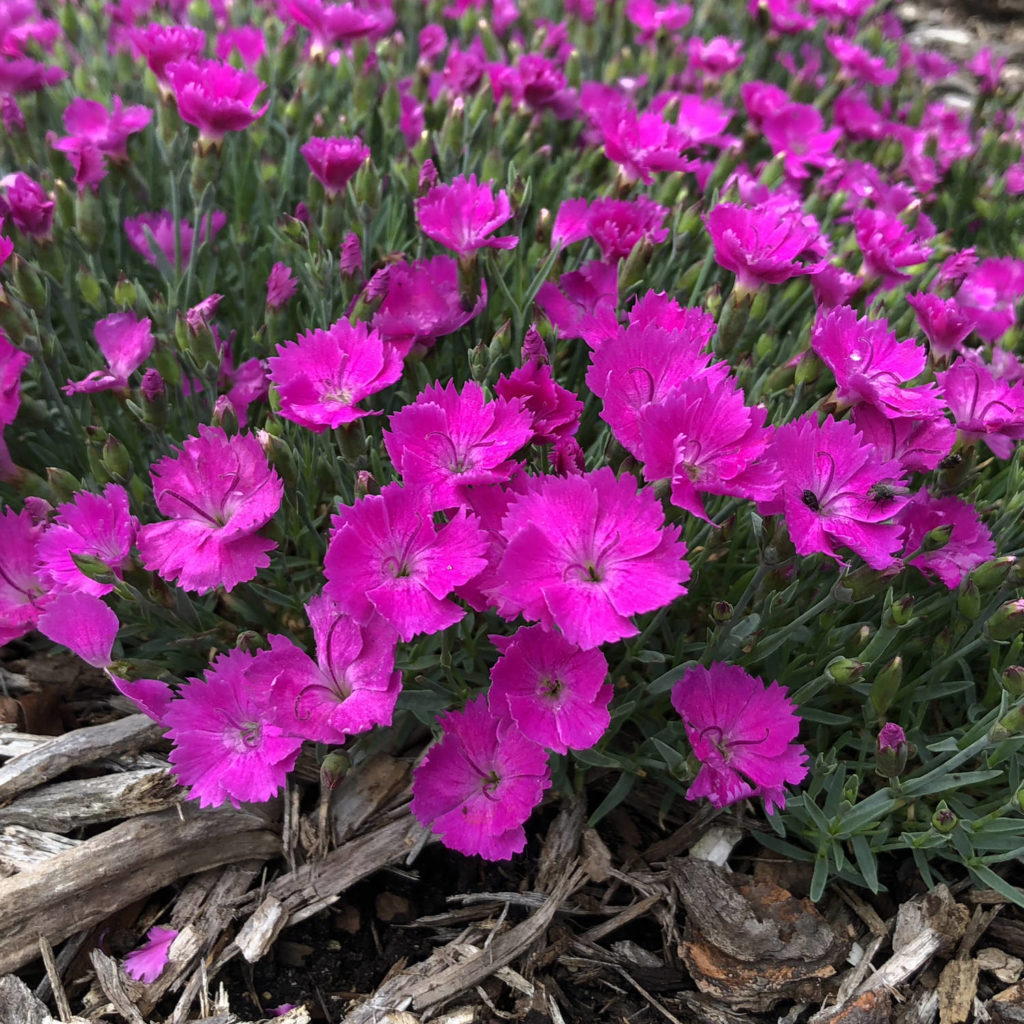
918, 444
219, 491
334, 161
641, 143
161, 45
228, 744
555, 410
247, 41
98, 526
281, 285
461, 216
556, 693
888, 246
945, 322
969, 545
870, 365
707, 441
617, 225
126, 343
583, 304
215, 97
161, 225
447, 440
23, 596
421, 303
322, 375
479, 783
798, 135
835, 490
584, 554
351, 687
742, 732
82, 623
386, 555
765, 244
983, 406
31, 207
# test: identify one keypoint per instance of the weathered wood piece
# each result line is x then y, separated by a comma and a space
19, 1006
13, 743
22, 848
76, 889
80, 746
64, 806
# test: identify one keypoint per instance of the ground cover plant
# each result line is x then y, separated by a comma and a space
627, 392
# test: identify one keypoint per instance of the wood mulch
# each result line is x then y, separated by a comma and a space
340, 904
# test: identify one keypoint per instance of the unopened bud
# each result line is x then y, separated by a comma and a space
993, 573
721, 611
968, 601
902, 610
90, 221
29, 284
1008, 620
1011, 724
62, 483
279, 454
225, 416
1012, 680
808, 370
891, 751
125, 292
937, 538
248, 640
334, 768
944, 820
885, 686
366, 483
845, 670
633, 269
534, 346
94, 568
154, 398
115, 459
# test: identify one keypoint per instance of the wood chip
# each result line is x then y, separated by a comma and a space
22, 848
958, 985
1004, 966
19, 1006
80, 746
936, 912
121, 990
64, 806
367, 788
80, 887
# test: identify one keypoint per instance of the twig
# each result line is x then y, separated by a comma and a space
60, 997
663, 1010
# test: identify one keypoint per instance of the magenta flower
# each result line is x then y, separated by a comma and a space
555, 410
969, 545
987, 68
888, 246
584, 302
23, 596
281, 285
945, 322
147, 963
870, 365
645, 364
322, 375
126, 343
421, 303
215, 97
833, 286
228, 744
798, 135
556, 693
479, 783
331, 24
350, 262
765, 244
351, 687
98, 526
983, 406
742, 732
31, 206
835, 490
712, 58
859, 65
989, 293
12, 362
707, 441
461, 216
247, 41
571, 223
642, 144
617, 225
447, 440
386, 555
584, 554
161, 45
90, 124
219, 491
150, 696
161, 226
334, 161
918, 444
650, 18
83, 624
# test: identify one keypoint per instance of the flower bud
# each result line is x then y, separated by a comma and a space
993, 573
633, 268
902, 610
721, 611
891, 751
115, 459
249, 640
1008, 620
733, 321
944, 820
89, 219
1012, 680
968, 601
333, 769
125, 292
365, 484
845, 670
225, 416
62, 483
279, 454
1011, 724
885, 686
154, 398
808, 370
938, 538
94, 568
29, 284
